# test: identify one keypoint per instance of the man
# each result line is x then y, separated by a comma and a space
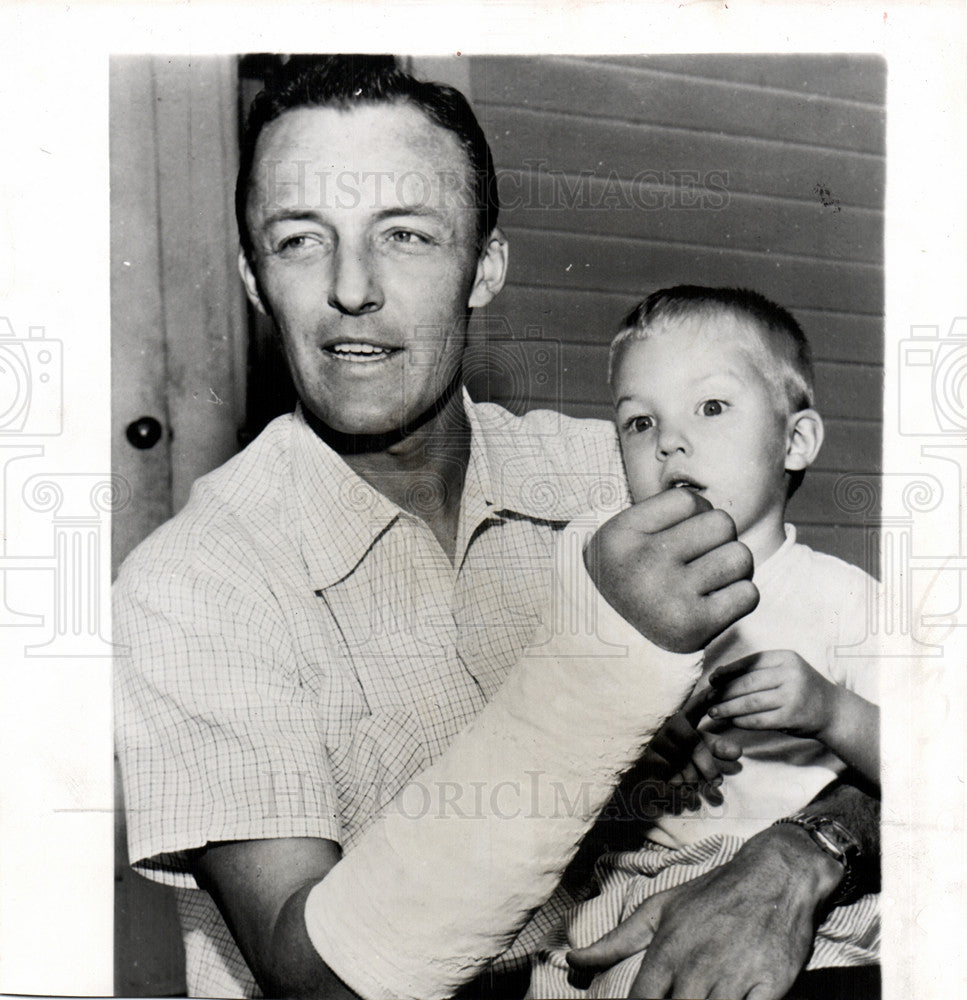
337, 603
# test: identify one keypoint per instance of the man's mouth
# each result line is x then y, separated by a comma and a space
360, 353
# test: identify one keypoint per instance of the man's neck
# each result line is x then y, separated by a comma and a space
423, 472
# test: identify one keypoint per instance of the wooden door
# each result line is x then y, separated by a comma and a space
178, 364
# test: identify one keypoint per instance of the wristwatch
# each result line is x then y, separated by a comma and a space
838, 843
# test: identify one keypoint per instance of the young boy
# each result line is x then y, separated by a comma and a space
713, 392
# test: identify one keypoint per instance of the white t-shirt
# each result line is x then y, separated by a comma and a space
815, 605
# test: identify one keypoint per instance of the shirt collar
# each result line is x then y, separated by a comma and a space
510, 470
773, 565
341, 516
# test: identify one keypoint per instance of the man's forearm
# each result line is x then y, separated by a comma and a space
295, 968
818, 874
859, 814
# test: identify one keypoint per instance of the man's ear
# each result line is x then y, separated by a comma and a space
804, 438
251, 283
491, 270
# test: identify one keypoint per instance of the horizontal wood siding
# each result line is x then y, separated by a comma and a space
622, 175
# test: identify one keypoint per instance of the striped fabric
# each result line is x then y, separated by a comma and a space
849, 936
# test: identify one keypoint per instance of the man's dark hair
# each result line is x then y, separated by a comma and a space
779, 333
345, 81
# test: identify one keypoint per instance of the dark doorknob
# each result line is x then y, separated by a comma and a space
145, 432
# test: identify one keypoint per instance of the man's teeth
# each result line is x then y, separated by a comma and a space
359, 351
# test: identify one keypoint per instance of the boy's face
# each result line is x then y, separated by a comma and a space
694, 411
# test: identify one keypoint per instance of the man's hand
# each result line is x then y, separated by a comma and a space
777, 689
743, 930
672, 567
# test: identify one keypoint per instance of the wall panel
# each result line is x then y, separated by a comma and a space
622, 175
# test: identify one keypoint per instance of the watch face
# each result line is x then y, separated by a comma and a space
840, 840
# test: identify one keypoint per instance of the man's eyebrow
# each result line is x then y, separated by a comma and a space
291, 215
421, 210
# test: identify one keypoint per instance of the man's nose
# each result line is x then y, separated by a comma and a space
355, 287
671, 439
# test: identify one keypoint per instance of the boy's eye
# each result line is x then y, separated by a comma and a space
713, 408
638, 425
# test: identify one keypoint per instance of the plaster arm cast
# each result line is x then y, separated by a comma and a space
444, 880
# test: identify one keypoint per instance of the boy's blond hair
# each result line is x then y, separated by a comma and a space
785, 358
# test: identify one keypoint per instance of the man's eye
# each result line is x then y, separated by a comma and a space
638, 425
296, 243
713, 408
407, 237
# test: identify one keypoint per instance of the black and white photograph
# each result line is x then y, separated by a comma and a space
518, 494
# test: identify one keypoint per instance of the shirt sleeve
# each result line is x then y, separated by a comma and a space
216, 737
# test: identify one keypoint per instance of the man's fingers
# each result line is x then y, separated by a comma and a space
724, 749
704, 534
725, 607
632, 935
699, 701
703, 761
766, 991
720, 566
662, 511
691, 775
654, 979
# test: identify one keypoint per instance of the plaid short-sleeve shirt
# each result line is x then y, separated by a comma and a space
300, 647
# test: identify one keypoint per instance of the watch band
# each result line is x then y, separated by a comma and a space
838, 843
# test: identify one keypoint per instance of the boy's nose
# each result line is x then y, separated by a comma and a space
355, 287
670, 441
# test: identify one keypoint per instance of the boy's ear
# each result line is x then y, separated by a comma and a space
251, 282
804, 438
491, 270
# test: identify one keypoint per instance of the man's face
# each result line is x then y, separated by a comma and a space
365, 255
694, 410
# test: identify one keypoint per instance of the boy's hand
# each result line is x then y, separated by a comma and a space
672, 567
776, 689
